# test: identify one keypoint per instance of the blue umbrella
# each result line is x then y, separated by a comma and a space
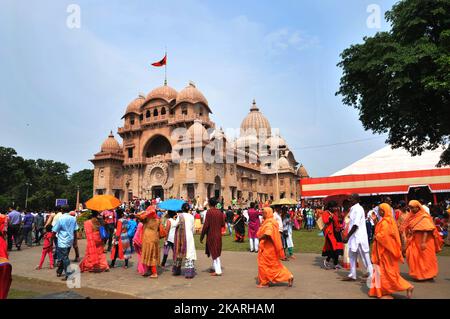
171, 204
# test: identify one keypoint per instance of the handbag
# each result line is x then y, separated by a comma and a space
103, 233
320, 223
162, 231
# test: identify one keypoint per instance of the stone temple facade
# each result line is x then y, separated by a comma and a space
171, 148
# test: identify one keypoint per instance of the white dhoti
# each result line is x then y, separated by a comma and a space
365, 258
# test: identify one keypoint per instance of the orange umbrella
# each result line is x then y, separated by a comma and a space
102, 202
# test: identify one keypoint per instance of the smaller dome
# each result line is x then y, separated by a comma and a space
191, 94
247, 141
197, 131
275, 142
110, 145
302, 171
134, 106
164, 92
283, 163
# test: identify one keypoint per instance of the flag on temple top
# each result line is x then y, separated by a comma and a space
162, 62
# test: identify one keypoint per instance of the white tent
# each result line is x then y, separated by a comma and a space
392, 160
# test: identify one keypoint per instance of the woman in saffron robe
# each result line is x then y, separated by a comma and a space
239, 227
422, 243
386, 254
94, 258
270, 268
122, 247
3, 245
150, 241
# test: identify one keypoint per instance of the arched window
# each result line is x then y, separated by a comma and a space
163, 111
155, 112
132, 119
158, 145
147, 114
141, 117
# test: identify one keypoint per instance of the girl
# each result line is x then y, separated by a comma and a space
48, 247
122, 247
171, 226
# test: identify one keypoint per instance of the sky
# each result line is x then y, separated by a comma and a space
64, 88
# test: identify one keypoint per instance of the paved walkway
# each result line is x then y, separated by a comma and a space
238, 280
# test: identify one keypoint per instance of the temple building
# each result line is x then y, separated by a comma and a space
171, 148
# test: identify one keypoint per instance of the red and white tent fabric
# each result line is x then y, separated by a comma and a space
385, 171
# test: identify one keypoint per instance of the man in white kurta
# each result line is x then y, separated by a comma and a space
358, 242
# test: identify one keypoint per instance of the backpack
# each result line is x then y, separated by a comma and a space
103, 233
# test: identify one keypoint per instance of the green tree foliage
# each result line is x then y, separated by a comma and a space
400, 80
49, 180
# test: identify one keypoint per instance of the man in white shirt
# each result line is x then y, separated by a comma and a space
358, 243
277, 217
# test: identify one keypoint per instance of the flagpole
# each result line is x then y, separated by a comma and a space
165, 69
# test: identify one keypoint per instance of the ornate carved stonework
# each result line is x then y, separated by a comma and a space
156, 174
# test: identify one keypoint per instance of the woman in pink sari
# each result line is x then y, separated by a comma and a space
137, 244
94, 259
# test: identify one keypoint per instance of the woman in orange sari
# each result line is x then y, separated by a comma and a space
94, 259
386, 254
423, 241
150, 241
270, 268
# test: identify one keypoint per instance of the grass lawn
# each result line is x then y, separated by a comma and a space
304, 242
21, 294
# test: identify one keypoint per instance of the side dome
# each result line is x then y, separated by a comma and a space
164, 92
135, 105
110, 145
302, 172
276, 142
255, 123
190, 94
197, 132
283, 163
250, 141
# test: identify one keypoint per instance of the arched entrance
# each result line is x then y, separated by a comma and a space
217, 187
158, 191
157, 145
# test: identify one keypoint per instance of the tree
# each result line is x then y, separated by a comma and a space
85, 180
400, 80
49, 180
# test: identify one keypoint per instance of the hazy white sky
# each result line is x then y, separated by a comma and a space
63, 90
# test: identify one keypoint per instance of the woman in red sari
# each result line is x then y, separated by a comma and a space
5, 277
94, 259
333, 247
3, 245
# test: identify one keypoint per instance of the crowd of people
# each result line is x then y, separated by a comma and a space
396, 232
412, 231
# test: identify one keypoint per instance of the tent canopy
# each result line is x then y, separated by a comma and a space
385, 171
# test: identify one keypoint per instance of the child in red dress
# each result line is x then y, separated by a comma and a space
48, 247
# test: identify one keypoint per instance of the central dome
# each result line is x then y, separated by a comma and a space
255, 123
164, 92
